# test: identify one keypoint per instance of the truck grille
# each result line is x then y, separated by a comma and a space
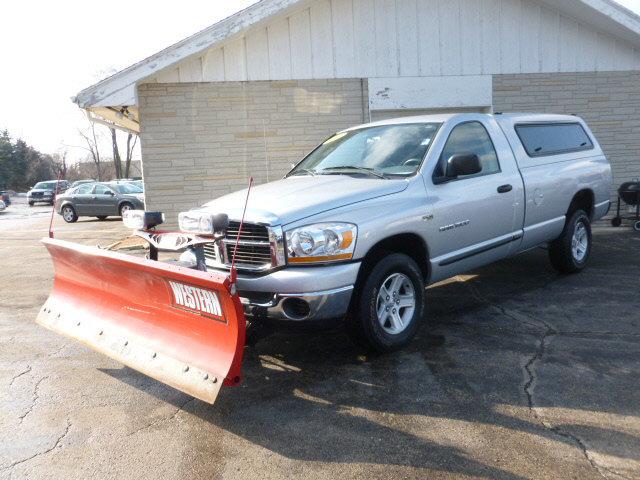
254, 248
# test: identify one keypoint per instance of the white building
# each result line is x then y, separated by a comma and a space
256, 91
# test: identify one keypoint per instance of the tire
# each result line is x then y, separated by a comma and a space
616, 222
124, 207
636, 226
101, 217
570, 252
69, 214
391, 329
31, 204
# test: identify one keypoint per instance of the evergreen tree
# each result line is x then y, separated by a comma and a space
6, 155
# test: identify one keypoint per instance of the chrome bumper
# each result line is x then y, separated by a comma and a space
319, 293
324, 305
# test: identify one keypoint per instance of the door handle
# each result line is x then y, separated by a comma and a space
504, 188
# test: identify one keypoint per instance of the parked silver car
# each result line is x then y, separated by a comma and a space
99, 200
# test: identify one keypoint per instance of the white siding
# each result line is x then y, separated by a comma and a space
408, 38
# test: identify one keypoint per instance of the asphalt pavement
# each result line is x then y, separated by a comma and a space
518, 373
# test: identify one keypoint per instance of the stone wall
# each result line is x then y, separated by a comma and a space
203, 140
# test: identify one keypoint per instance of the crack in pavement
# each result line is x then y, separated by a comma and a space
57, 444
34, 400
530, 371
24, 372
162, 420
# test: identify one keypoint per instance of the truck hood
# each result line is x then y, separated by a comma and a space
295, 198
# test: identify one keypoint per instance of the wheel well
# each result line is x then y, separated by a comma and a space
409, 244
583, 200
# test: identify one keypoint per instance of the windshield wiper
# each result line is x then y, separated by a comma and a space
370, 171
303, 170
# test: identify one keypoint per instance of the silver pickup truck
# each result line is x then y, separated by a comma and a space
376, 212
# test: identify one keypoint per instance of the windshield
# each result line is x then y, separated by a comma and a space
45, 185
126, 188
383, 150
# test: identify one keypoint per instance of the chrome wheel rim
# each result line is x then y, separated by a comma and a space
580, 242
395, 303
67, 214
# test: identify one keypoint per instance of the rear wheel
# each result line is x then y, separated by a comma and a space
570, 252
125, 207
389, 306
69, 214
636, 226
31, 204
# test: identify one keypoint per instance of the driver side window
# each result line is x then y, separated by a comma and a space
102, 190
470, 137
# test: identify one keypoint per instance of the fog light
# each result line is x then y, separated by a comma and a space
141, 220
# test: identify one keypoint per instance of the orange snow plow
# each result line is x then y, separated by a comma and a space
180, 326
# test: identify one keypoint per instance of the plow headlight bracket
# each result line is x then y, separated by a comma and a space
203, 222
142, 220
321, 242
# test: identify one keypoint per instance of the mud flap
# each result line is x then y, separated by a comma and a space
177, 325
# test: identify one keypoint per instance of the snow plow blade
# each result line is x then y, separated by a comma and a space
177, 325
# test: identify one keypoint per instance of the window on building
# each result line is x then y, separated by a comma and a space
553, 138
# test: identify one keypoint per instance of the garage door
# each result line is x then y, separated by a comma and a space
377, 115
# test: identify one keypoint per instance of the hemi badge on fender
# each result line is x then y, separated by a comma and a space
196, 300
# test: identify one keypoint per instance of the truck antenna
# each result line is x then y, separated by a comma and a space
53, 205
233, 273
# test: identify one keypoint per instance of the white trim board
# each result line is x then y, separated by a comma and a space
398, 93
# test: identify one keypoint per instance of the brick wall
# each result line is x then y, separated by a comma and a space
608, 101
202, 140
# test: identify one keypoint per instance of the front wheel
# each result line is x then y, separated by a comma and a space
69, 214
389, 306
125, 207
570, 252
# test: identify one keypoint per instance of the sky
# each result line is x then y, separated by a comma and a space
53, 49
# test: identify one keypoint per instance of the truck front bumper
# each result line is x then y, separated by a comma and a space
300, 294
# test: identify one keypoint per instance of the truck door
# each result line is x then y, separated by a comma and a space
475, 217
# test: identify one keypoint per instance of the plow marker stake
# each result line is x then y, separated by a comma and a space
177, 325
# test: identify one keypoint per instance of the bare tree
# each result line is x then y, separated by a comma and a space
91, 140
130, 147
117, 162
59, 163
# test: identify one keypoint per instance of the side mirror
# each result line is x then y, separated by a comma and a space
460, 165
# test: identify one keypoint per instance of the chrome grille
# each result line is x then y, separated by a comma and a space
256, 248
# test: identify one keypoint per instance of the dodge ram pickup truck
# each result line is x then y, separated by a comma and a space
354, 231
378, 211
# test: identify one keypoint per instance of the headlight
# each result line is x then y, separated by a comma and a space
141, 220
321, 242
203, 223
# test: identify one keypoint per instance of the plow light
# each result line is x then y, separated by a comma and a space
141, 220
203, 223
